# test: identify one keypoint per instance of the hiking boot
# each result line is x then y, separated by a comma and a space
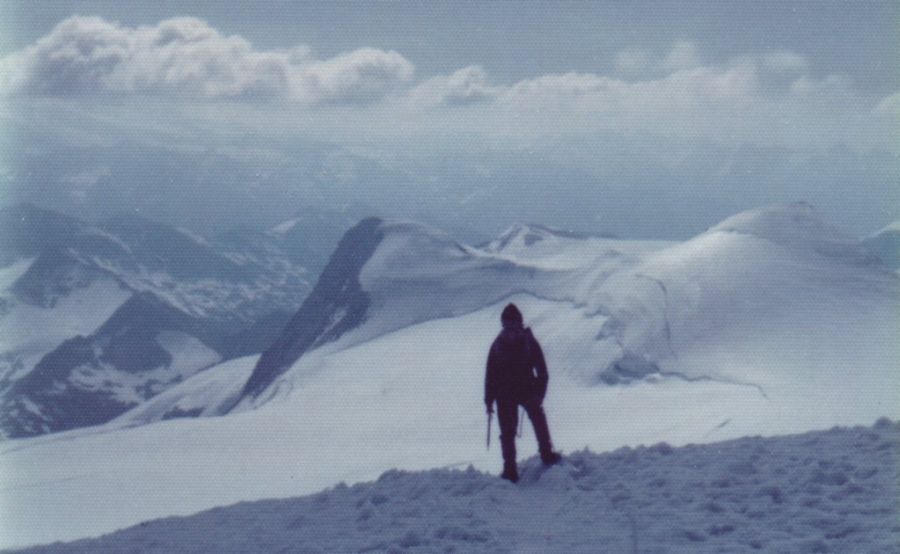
510, 473
551, 458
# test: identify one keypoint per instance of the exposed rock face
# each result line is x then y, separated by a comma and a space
336, 305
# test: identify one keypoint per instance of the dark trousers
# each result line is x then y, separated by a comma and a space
508, 414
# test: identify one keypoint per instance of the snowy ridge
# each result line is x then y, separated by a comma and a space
691, 309
520, 237
794, 224
418, 274
388, 275
729, 334
834, 491
336, 304
796, 227
890, 227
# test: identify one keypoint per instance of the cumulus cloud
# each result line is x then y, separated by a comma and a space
465, 86
700, 87
784, 61
90, 55
564, 91
357, 75
732, 103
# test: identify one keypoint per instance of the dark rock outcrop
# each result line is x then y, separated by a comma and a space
90, 380
336, 305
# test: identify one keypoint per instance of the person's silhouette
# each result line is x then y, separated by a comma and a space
516, 376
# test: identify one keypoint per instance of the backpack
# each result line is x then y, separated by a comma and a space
515, 360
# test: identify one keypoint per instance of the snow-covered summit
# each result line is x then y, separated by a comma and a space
796, 226
795, 223
522, 236
833, 491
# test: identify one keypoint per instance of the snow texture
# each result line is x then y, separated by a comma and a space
833, 491
767, 324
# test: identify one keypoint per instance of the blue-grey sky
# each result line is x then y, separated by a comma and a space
694, 100
516, 40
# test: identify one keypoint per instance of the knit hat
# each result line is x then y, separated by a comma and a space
511, 315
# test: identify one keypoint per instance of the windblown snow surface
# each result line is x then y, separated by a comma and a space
770, 323
828, 491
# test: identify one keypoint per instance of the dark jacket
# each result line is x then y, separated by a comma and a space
516, 370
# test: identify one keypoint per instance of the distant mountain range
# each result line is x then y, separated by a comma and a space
96, 318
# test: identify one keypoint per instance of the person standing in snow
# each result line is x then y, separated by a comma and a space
516, 376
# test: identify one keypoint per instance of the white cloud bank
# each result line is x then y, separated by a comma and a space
465, 86
768, 99
185, 56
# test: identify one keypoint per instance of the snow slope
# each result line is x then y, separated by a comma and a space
395, 274
770, 323
210, 393
833, 491
772, 299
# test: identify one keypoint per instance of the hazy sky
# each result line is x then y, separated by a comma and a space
584, 85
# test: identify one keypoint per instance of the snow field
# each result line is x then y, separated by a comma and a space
831, 491
411, 400
753, 328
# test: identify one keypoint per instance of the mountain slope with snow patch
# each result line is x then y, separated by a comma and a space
96, 318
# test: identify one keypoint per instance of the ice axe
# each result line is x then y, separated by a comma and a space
490, 416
